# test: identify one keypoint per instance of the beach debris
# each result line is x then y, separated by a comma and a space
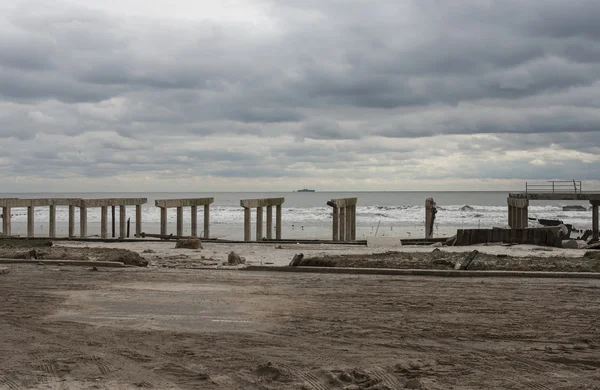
569, 244
466, 208
587, 234
502, 255
4, 270
268, 370
94, 269
32, 254
296, 260
466, 262
189, 243
574, 208
149, 251
595, 245
436, 245
278, 247
451, 241
235, 259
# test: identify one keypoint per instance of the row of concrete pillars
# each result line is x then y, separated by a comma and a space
260, 205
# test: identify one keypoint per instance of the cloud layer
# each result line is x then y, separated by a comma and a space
275, 95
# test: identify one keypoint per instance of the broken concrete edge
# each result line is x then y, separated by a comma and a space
187, 202
77, 202
266, 202
343, 202
84, 263
426, 272
4, 270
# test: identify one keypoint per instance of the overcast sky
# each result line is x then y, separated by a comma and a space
245, 95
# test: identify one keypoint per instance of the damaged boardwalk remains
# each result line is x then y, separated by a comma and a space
344, 218
193, 203
259, 204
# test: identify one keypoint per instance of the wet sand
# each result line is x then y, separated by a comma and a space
154, 328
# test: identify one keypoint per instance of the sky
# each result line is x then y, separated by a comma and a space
277, 95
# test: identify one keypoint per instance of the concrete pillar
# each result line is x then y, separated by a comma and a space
278, 222
595, 221
194, 221
259, 223
430, 211
6, 217
353, 231
206, 221
113, 220
30, 221
122, 222
336, 224
138, 220
269, 222
247, 218
342, 224
71, 221
348, 223
83, 222
52, 222
179, 221
163, 221
103, 222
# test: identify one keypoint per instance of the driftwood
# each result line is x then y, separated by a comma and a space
165, 236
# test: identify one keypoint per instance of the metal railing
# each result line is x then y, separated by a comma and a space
555, 187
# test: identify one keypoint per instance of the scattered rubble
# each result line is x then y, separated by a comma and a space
189, 243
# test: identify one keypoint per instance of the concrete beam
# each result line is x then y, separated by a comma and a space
111, 202
555, 196
189, 202
253, 203
20, 202
520, 203
344, 202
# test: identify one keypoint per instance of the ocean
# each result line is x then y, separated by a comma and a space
306, 215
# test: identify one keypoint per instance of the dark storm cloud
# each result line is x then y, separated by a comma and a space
329, 85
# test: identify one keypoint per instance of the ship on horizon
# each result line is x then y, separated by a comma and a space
305, 190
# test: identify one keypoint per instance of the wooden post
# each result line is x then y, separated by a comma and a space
163, 221
348, 223
206, 221
278, 222
52, 227
83, 222
103, 221
595, 222
138, 220
336, 224
122, 216
71, 221
6, 217
430, 211
269, 222
194, 213
247, 231
114, 213
30, 221
179, 221
342, 223
259, 223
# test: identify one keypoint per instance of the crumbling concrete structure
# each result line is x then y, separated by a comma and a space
430, 211
259, 204
193, 203
518, 213
83, 205
104, 203
344, 218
